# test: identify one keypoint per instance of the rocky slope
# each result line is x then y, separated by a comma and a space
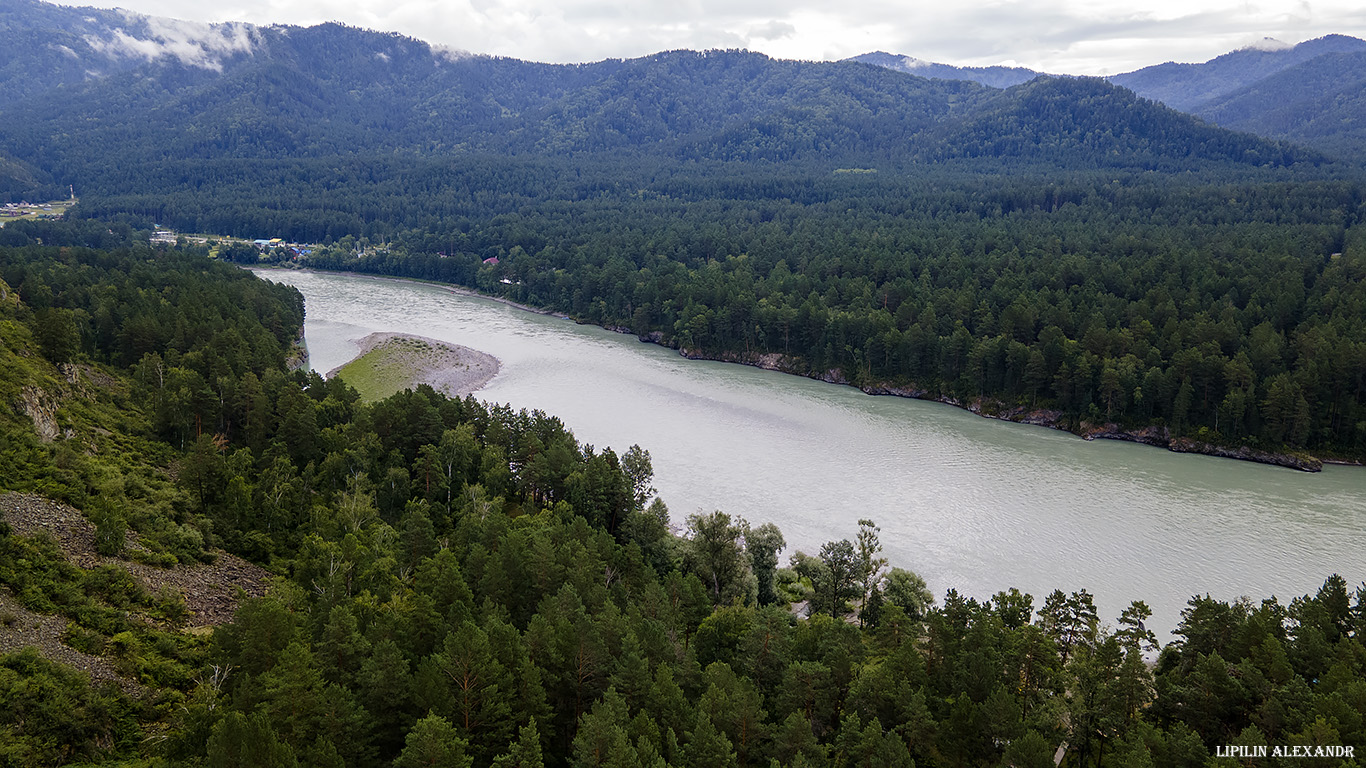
212, 591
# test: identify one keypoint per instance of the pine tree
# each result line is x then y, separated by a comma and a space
433, 743
707, 747
525, 752
238, 741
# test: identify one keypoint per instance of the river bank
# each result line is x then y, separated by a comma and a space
386, 363
458, 290
1156, 436
969, 503
1159, 437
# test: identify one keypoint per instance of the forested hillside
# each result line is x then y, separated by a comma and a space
1318, 103
154, 92
1189, 87
996, 77
1308, 93
459, 584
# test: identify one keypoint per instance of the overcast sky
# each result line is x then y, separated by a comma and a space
1083, 37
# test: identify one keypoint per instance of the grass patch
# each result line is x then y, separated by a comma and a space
387, 369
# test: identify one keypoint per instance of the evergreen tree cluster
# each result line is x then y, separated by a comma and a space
1231, 313
464, 585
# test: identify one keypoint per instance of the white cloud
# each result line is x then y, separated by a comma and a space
450, 54
1074, 36
773, 30
193, 43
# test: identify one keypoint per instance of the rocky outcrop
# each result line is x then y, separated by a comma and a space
41, 407
1159, 437
296, 359
41, 403
771, 361
1292, 460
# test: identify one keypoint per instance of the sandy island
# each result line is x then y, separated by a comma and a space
392, 362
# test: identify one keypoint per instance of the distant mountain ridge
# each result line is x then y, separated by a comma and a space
89, 93
1310, 93
1320, 103
994, 77
1188, 87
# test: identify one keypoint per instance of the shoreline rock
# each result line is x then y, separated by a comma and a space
1158, 437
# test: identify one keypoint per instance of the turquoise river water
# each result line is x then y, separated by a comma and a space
969, 503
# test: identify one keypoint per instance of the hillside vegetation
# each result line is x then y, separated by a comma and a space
461, 584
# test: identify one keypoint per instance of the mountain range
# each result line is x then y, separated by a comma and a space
1310, 93
85, 94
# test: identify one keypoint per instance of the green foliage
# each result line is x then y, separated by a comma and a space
715, 552
433, 742
241, 741
462, 584
50, 715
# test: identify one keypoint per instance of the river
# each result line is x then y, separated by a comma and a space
969, 503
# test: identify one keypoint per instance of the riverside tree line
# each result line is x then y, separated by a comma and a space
1227, 312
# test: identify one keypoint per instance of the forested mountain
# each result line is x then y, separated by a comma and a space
324, 91
146, 89
49, 46
458, 584
1308, 94
996, 77
1188, 87
1320, 103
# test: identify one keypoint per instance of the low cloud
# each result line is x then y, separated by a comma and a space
1266, 44
193, 43
1065, 36
450, 54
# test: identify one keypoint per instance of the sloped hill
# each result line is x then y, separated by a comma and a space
51, 46
1320, 103
1083, 122
1189, 86
333, 90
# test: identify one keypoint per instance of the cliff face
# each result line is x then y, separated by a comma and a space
41, 407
